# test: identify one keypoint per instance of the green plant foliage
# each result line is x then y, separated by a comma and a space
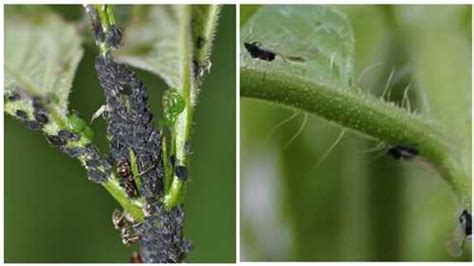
159, 51
42, 53
315, 43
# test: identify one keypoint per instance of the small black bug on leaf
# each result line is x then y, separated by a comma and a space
256, 51
402, 152
200, 41
465, 219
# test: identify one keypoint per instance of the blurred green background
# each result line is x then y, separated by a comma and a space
54, 214
359, 204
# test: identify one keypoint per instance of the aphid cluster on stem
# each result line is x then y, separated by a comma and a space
35, 120
163, 230
131, 131
111, 35
73, 140
129, 124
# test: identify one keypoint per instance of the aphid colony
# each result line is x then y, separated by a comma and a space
73, 140
130, 129
131, 132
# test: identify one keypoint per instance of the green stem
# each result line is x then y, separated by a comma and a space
195, 52
373, 117
107, 19
59, 122
205, 19
134, 207
182, 128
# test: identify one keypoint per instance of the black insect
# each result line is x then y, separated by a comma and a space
402, 152
67, 135
465, 219
22, 115
200, 41
54, 140
256, 51
181, 172
127, 182
13, 97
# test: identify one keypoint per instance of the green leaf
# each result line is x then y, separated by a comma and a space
246, 12
314, 43
158, 40
42, 53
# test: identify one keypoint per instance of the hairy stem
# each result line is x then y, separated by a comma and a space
373, 117
182, 129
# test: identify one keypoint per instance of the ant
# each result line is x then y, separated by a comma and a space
124, 222
136, 258
125, 171
402, 152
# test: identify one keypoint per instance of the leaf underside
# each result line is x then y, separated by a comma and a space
42, 53
319, 37
159, 50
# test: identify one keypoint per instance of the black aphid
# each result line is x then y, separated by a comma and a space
21, 115
96, 175
402, 152
37, 103
67, 135
41, 116
13, 97
72, 151
54, 140
465, 219
256, 51
93, 163
181, 172
200, 41
33, 125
